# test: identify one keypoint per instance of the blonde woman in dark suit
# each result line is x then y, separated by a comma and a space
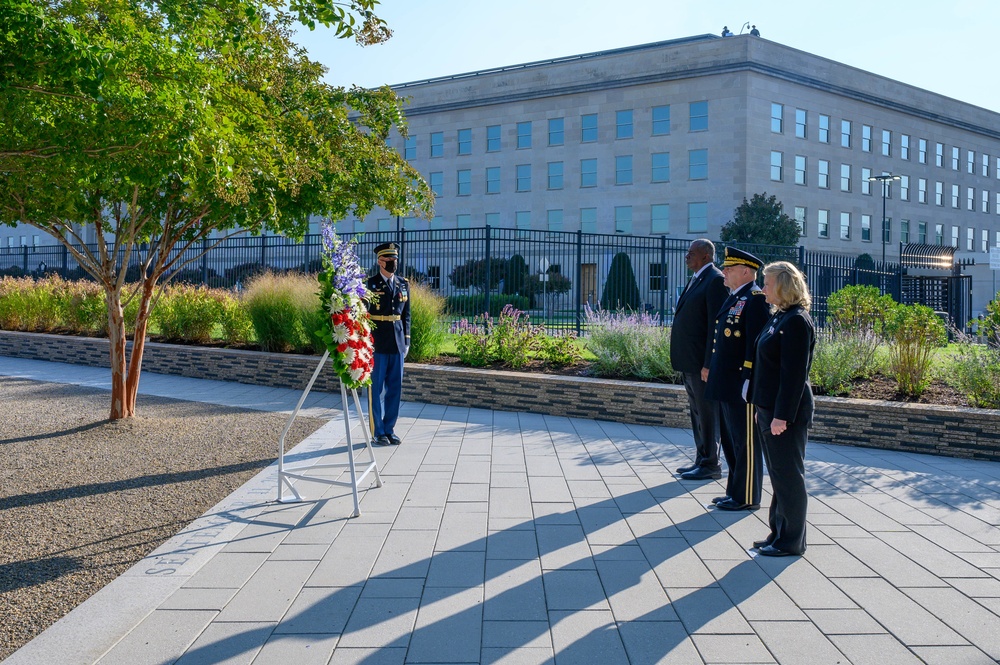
779, 388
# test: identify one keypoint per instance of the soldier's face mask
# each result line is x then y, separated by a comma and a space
390, 265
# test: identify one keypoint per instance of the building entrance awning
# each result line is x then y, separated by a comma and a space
940, 257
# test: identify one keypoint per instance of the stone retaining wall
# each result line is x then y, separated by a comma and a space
958, 432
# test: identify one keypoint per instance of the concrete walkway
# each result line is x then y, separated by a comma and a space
517, 538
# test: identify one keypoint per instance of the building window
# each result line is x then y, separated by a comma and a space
845, 177
493, 219
985, 201
661, 120
698, 114
985, 172
922, 190
904, 188
954, 158
922, 233
623, 170
659, 218
886, 230
523, 178
554, 220
588, 220
623, 219
588, 173
845, 226
436, 181
661, 166
939, 154
845, 133
986, 241
866, 184
922, 151
623, 124
522, 219
523, 135
493, 180
954, 237
824, 128
555, 175
886, 143
775, 166
904, 146
823, 180
800, 123
823, 223
493, 138
866, 228
656, 282
434, 277
866, 138
800, 219
996, 203
939, 193
800, 169
698, 164
410, 148
698, 217
970, 164
777, 118
970, 198
384, 224
437, 144
463, 222
955, 195
556, 131
970, 240
464, 182
588, 128
465, 141
904, 231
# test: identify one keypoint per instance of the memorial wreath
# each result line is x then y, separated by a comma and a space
346, 328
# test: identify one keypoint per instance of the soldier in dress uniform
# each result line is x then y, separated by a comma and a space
390, 315
737, 325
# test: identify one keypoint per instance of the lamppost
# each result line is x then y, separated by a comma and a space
886, 179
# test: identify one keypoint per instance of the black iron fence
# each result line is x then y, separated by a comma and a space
555, 276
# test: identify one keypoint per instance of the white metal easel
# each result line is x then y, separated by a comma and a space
287, 475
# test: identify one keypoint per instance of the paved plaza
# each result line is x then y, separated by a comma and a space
519, 538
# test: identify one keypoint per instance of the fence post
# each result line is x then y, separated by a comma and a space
663, 280
204, 261
486, 301
263, 250
24, 259
579, 282
802, 258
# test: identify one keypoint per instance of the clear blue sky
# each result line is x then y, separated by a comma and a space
947, 47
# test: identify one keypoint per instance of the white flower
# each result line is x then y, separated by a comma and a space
340, 333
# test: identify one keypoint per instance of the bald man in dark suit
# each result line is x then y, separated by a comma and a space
690, 352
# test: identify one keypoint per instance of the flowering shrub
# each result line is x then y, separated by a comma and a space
629, 344
509, 339
346, 331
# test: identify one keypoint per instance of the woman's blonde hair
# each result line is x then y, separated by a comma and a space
789, 286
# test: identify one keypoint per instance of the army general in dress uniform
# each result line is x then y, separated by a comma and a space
390, 315
737, 325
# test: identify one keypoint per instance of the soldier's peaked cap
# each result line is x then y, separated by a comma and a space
387, 249
737, 257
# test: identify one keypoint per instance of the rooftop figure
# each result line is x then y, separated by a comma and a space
754, 31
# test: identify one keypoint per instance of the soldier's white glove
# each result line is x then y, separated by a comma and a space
406, 352
746, 387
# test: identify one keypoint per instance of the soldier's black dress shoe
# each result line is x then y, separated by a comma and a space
702, 473
685, 469
720, 499
729, 504
757, 544
382, 441
395, 440
771, 550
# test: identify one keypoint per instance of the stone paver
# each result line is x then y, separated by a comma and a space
519, 538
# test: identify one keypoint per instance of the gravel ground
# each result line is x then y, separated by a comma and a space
82, 499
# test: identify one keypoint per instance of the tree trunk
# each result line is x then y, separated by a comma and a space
138, 345
116, 335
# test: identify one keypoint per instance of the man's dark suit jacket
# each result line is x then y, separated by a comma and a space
694, 321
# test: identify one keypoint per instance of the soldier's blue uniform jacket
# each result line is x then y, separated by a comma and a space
390, 314
737, 325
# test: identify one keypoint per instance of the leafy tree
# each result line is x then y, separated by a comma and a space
472, 274
167, 126
761, 221
516, 279
620, 290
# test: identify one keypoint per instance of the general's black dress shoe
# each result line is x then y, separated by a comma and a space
771, 550
685, 469
382, 441
702, 473
729, 504
395, 439
720, 499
